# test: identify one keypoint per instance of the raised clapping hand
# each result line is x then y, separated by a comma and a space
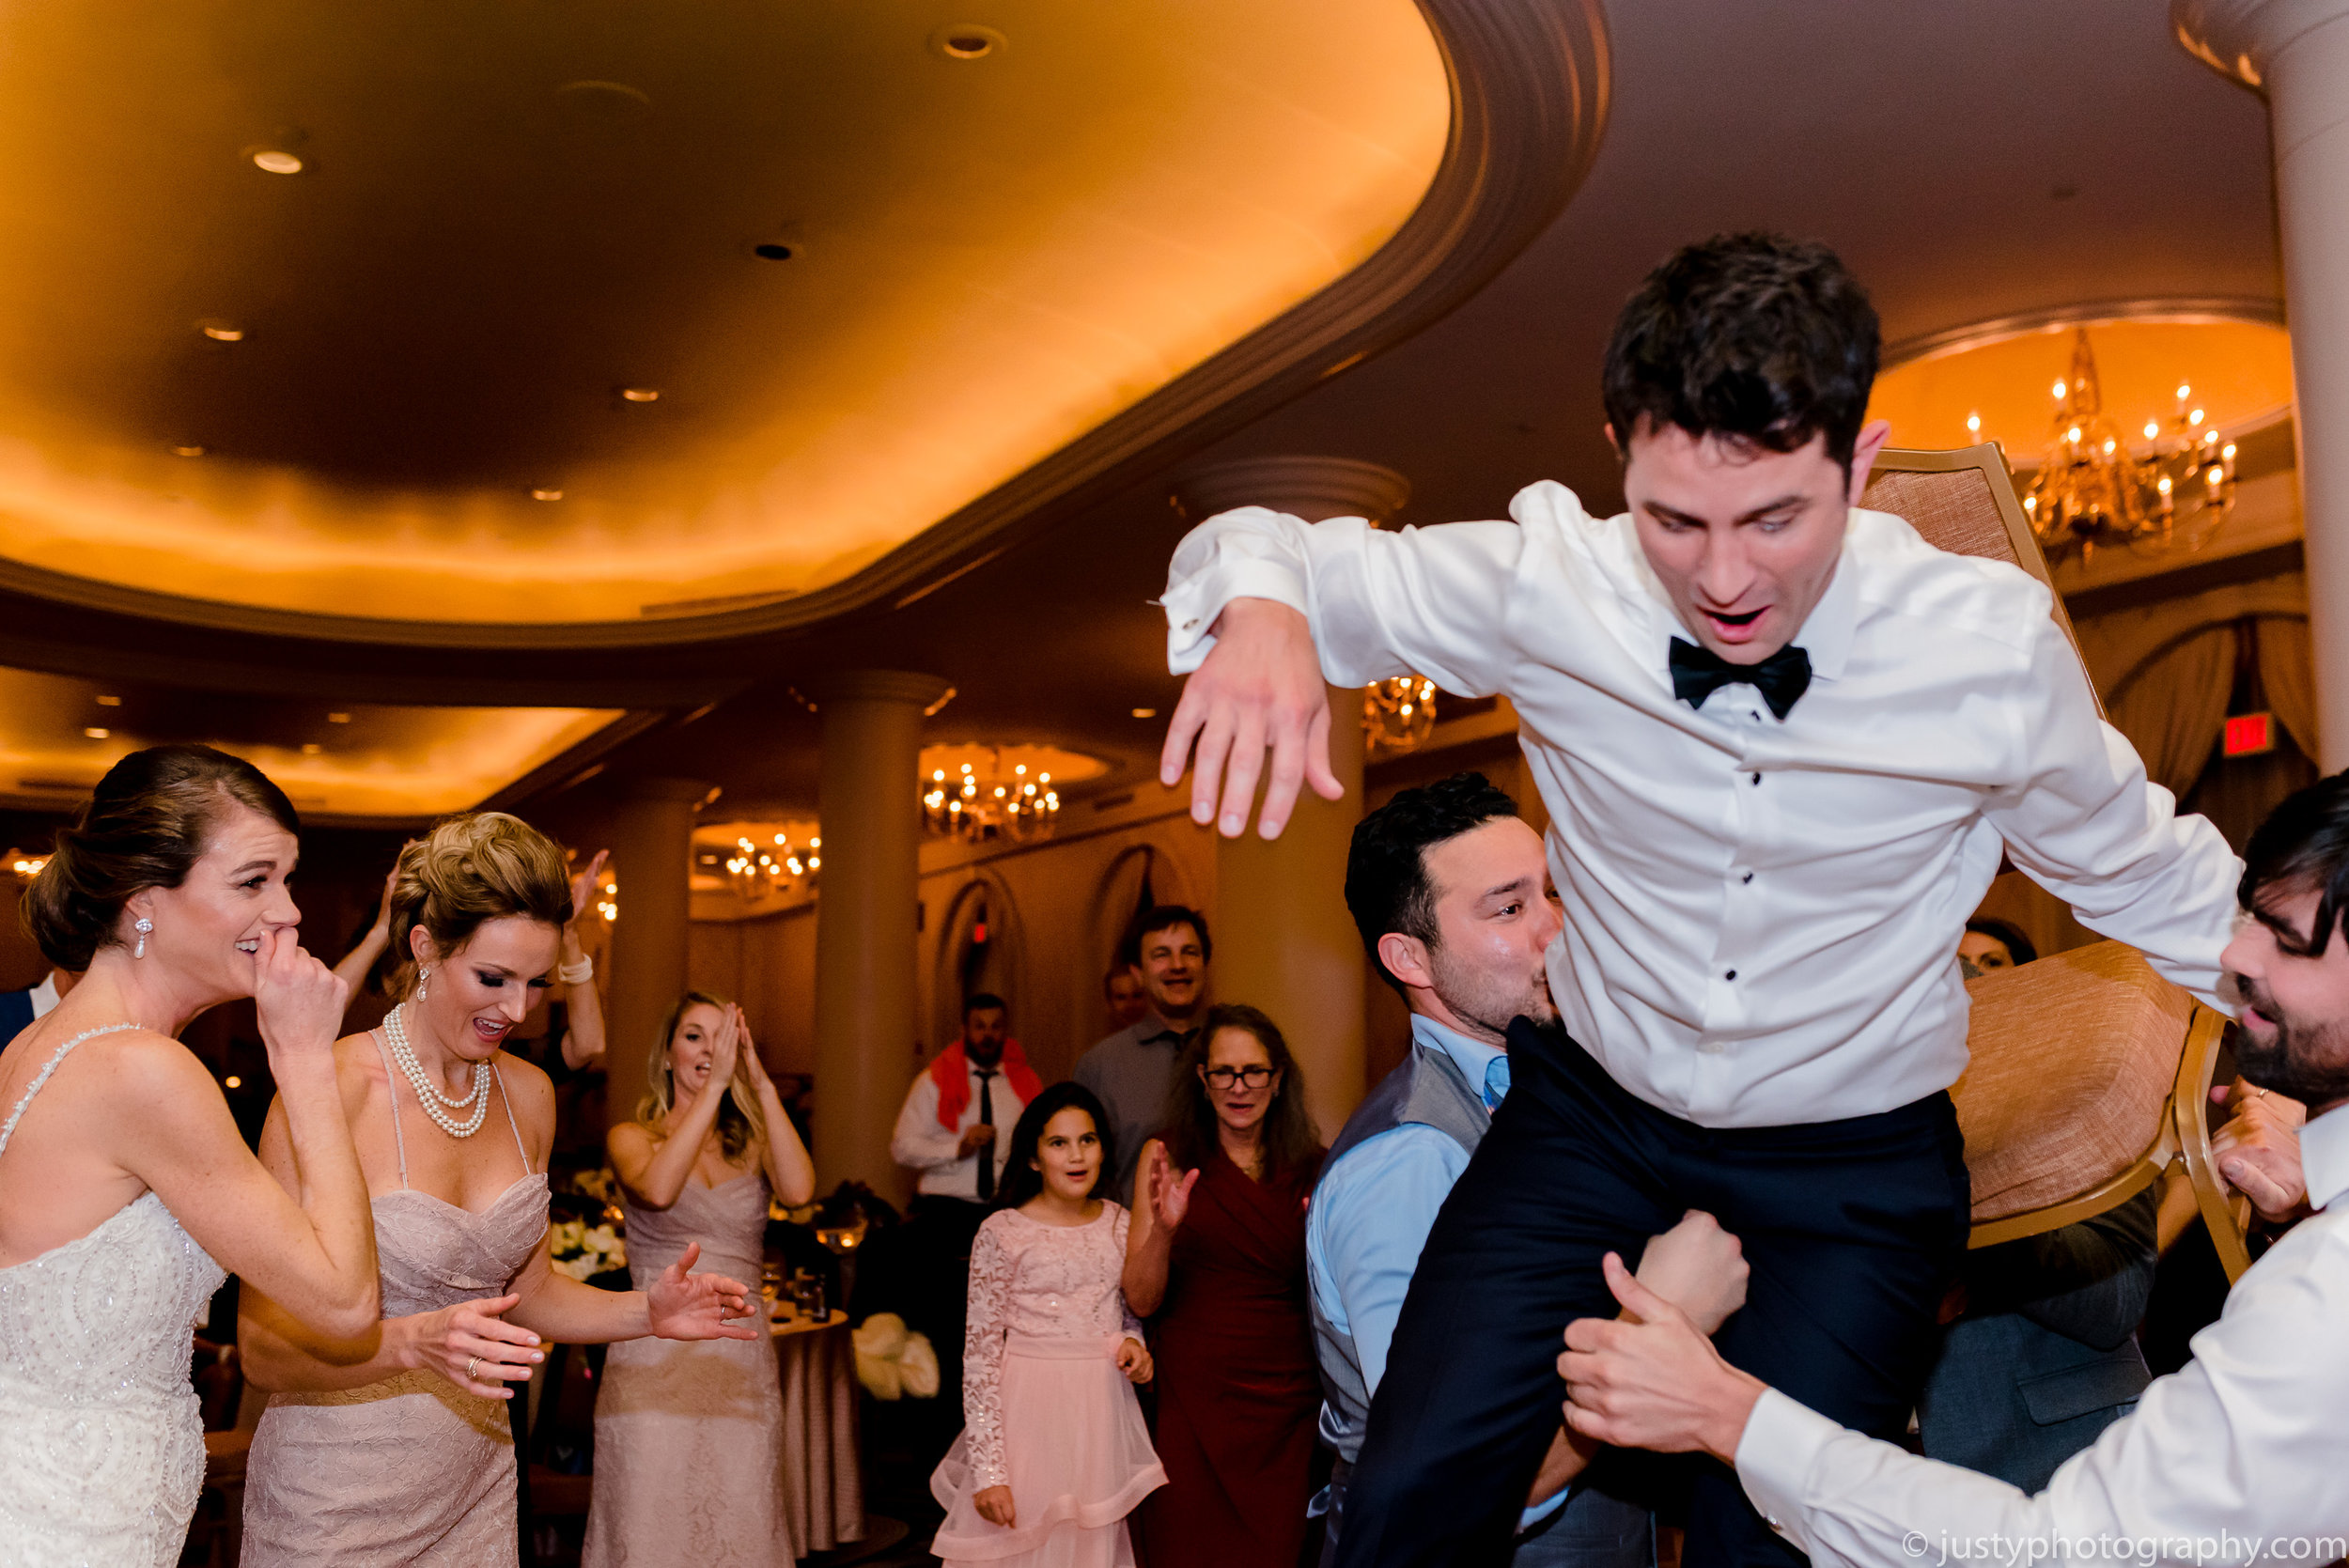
584, 883
471, 1345
298, 1000
1133, 1360
1260, 687
1653, 1381
683, 1305
1170, 1198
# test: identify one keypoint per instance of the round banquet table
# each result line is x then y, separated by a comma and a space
823, 1485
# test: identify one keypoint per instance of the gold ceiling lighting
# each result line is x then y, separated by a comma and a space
984, 800
608, 898
763, 870
1398, 714
2164, 488
26, 866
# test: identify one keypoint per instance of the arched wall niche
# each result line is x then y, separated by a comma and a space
981, 947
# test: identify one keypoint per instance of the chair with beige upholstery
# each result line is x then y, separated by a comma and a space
2091, 1074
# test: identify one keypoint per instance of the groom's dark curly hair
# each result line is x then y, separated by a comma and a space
1756, 338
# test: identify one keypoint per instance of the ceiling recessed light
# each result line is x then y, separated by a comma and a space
310, 748
110, 702
641, 394
546, 495
1145, 713
276, 160
966, 40
338, 717
219, 332
233, 1081
773, 253
187, 451
95, 733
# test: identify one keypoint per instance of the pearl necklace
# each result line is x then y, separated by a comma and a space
429, 1092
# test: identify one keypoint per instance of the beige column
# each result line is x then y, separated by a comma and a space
2297, 54
652, 852
1283, 942
866, 1026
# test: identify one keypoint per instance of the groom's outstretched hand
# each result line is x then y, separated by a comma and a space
1652, 1379
1259, 689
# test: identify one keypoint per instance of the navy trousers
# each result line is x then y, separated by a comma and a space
1853, 1231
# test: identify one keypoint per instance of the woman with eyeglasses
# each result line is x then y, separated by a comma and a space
1216, 1258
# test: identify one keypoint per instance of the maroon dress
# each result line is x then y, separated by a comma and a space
1237, 1390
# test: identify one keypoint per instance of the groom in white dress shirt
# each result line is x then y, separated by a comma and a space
1783, 743
2240, 1459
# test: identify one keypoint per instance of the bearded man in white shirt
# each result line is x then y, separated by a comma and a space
1784, 744
2240, 1458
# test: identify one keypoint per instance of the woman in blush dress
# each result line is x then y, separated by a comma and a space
1217, 1253
391, 1447
1054, 1453
122, 1177
688, 1438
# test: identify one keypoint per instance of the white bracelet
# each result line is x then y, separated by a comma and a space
578, 974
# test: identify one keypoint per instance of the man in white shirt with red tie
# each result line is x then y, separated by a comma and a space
2239, 1459
1784, 744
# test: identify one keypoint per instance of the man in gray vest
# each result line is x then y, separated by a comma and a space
1450, 892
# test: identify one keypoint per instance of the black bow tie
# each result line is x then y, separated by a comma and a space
1698, 672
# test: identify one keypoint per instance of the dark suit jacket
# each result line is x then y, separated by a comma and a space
2045, 1357
16, 1015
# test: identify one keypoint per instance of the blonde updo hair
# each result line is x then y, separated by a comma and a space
473, 868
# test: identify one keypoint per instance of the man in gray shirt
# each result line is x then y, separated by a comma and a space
1132, 1072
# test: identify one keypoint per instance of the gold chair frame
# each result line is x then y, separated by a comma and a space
2183, 1136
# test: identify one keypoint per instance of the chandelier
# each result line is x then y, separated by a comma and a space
758, 871
2169, 491
982, 801
1398, 714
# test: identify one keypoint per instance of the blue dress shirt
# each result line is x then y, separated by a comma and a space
1373, 1210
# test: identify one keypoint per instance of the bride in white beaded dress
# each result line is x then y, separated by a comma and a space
391, 1447
122, 1177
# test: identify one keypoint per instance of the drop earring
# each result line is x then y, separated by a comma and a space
424, 982
142, 926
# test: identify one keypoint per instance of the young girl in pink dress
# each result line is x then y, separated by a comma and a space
1054, 1453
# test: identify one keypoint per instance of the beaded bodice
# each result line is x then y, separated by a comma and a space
102, 1447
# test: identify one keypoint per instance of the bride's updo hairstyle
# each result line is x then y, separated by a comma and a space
145, 826
473, 868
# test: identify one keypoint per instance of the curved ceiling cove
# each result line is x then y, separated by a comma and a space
553, 315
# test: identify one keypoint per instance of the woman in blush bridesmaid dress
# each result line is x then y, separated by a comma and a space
390, 1448
688, 1438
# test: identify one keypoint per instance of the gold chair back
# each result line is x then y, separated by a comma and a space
2090, 1074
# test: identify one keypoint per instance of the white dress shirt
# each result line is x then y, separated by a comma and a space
1762, 917
2241, 1458
920, 1144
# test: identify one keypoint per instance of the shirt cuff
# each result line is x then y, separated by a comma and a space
1775, 1456
1192, 605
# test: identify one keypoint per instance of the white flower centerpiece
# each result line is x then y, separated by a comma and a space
582, 1251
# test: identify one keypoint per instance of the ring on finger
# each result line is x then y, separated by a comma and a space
470, 1367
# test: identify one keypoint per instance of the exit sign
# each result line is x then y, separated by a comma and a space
2248, 735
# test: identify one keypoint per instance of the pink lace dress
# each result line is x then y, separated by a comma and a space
1046, 1410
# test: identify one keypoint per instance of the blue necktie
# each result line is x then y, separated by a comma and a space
1496, 1082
